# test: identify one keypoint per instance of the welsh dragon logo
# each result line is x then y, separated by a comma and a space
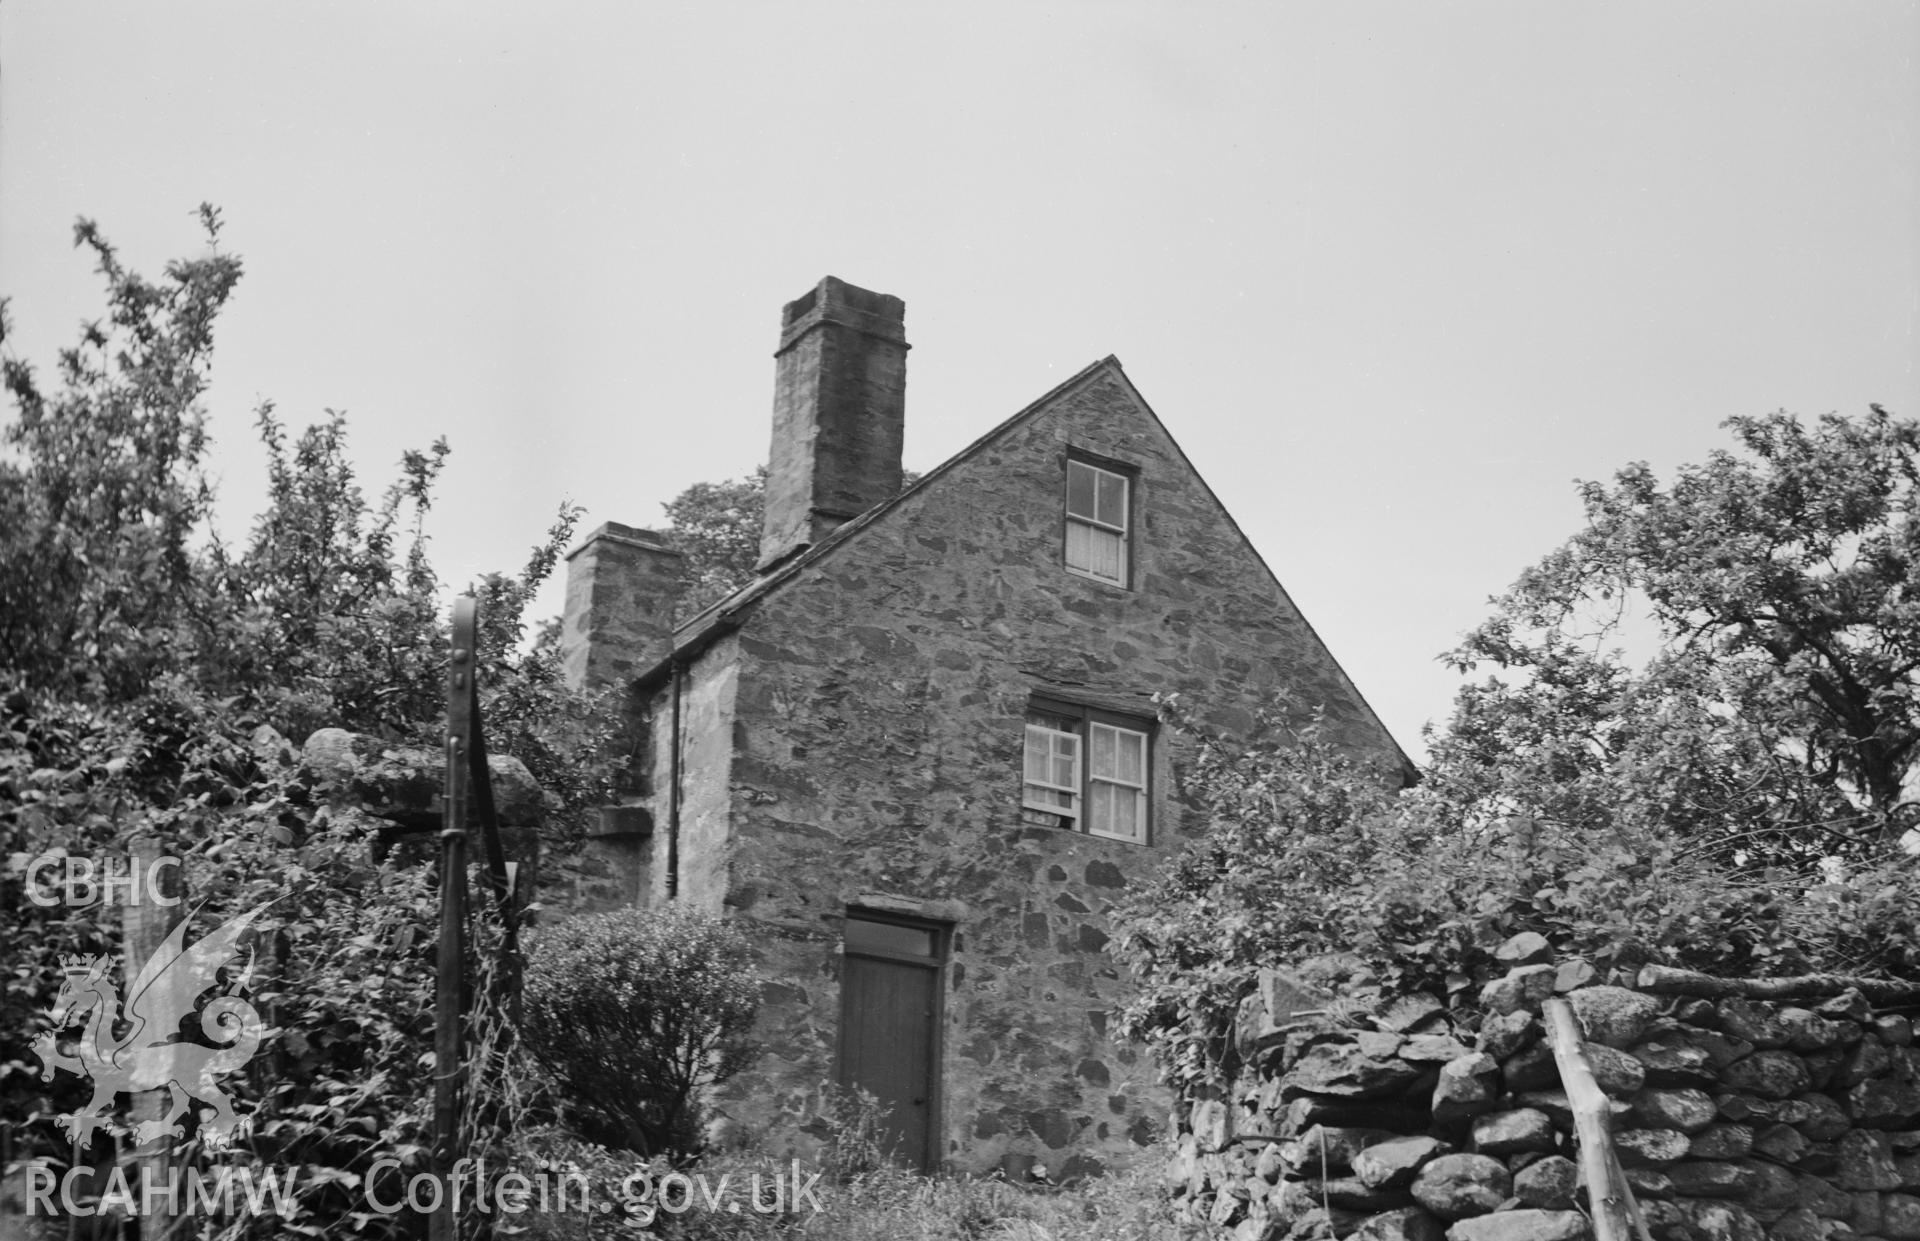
150, 1055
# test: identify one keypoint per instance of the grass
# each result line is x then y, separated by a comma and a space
890, 1204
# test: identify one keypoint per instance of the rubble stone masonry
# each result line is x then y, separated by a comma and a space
855, 742
1734, 1119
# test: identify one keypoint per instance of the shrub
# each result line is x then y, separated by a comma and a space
1311, 863
634, 1012
152, 675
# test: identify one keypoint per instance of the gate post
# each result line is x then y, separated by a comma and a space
453, 916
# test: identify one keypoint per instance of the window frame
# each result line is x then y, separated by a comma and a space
939, 933
1128, 478
1085, 719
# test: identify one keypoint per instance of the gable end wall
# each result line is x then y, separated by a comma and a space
876, 721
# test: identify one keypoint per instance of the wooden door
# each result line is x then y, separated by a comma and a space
890, 997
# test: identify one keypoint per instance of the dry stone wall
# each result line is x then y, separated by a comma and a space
1733, 1118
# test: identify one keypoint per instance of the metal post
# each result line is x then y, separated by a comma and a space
147, 925
453, 916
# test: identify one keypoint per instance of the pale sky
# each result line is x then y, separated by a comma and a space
1393, 274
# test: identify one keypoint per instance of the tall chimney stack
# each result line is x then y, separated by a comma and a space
839, 413
622, 586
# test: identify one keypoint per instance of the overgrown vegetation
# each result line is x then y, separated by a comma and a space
156, 678
1735, 802
889, 1203
716, 526
634, 1012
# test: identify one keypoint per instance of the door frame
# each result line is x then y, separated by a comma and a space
937, 965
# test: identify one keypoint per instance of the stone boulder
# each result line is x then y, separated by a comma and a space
1868, 1059
1614, 1071
1502, 1034
1395, 1163
1712, 1178
1685, 1109
1526, 948
1799, 1224
1279, 999
1817, 1116
1353, 1194
1328, 1150
1467, 1087
1725, 1140
1367, 1067
1822, 1196
1526, 987
1756, 1022
1719, 1221
1849, 1005
1650, 1146
1209, 1121
1409, 1012
1532, 1069
1781, 1143
1507, 1133
1808, 1031
1900, 1217
1432, 1049
1547, 1183
405, 784
1769, 1074
1647, 1182
1674, 1060
1774, 1190
1613, 1016
1527, 1224
1866, 1162
1457, 1186
1573, 974
1405, 1224
1890, 1102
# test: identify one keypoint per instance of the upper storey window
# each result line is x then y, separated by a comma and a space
1097, 508
1086, 770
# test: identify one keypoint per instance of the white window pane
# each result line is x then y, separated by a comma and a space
865, 936
1080, 546
1112, 508
1082, 490
1113, 810
1099, 807
1105, 554
1052, 799
1132, 765
1104, 756
1051, 769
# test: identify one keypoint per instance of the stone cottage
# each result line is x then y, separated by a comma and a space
918, 757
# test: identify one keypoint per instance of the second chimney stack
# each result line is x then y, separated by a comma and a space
839, 413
